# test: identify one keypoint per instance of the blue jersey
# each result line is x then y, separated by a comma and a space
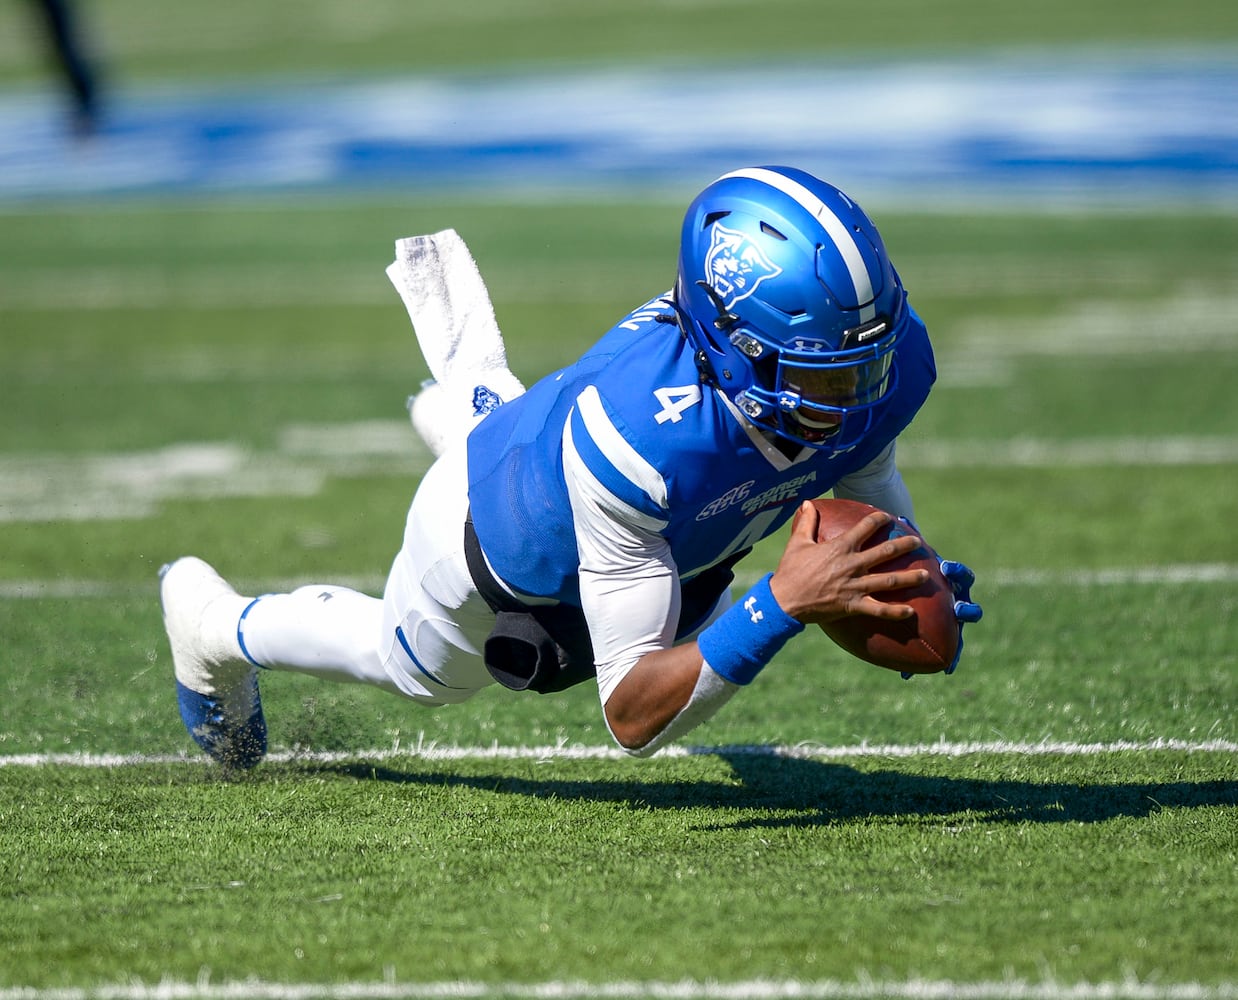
669, 452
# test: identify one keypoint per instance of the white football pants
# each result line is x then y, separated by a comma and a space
421, 640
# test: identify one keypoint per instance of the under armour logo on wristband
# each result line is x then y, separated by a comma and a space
743, 639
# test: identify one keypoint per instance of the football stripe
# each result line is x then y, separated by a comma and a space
861, 280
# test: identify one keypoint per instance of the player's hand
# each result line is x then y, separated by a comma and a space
819, 582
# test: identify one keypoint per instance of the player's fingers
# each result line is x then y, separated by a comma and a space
864, 528
869, 605
881, 583
806, 520
890, 549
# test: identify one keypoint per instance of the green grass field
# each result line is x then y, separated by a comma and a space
226, 378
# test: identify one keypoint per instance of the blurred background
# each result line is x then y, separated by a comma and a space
951, 103
197, 203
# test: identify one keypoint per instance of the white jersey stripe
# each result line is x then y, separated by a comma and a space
612, 444
580, 478
838, 232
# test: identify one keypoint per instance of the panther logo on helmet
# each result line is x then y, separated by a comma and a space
735, 265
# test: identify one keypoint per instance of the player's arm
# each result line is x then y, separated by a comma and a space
629, 591
653, 692
664, 692
880, 484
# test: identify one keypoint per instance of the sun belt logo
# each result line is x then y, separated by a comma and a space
735, 266
731, 497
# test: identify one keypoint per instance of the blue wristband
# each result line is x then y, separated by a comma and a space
747, 635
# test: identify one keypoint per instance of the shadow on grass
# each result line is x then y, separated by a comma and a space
818, 793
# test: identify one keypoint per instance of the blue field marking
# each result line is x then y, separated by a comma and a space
1088, 126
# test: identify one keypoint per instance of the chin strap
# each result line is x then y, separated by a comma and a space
726, 319
680, 317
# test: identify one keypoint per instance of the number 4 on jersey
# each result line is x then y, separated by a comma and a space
675, 399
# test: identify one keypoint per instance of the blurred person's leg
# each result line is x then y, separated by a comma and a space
69, 51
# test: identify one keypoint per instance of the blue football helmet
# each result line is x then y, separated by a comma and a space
794, 309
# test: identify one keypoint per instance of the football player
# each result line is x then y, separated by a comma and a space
587, 528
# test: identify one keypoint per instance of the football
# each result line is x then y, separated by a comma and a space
923, 644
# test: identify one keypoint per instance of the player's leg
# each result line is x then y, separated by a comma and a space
443, 413
219, 639
420, 641
434, 621
453, 319
331, 632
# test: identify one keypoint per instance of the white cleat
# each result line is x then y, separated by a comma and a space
216, 684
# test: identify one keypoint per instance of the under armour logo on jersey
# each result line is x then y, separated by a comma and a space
756, 616
735, 265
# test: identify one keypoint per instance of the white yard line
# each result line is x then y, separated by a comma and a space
1088, 453
568, 751
756, 989
70, 589
1117, 576
107, 485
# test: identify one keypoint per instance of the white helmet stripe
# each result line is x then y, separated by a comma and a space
838, 232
